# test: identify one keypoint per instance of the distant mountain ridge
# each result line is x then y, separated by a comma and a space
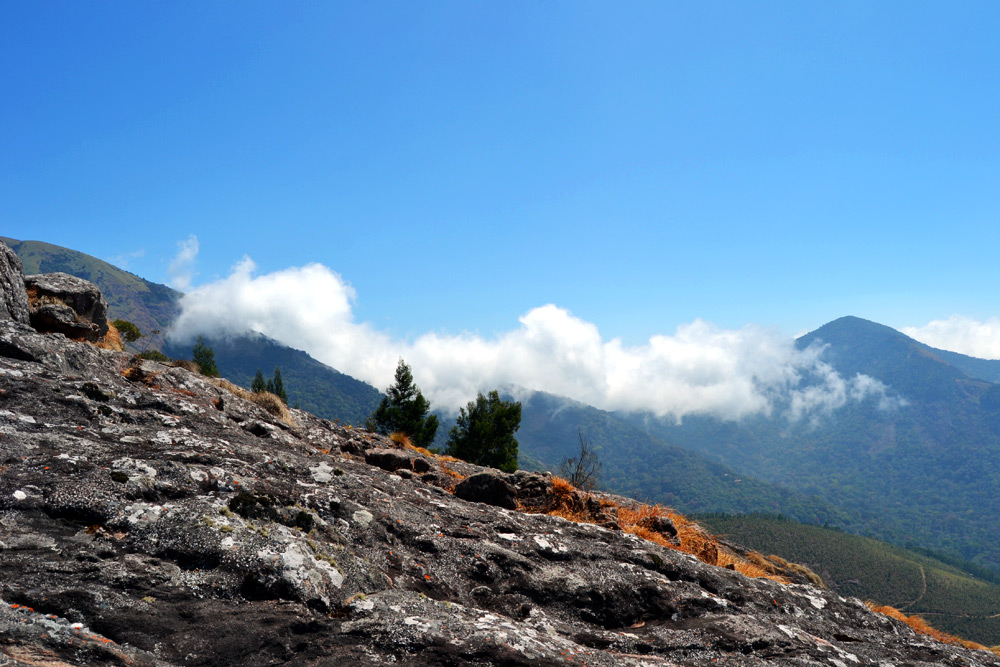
925, 473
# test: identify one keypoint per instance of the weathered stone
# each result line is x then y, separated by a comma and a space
489, 488
61, 303
142, 524
662, 525
389, 459
13, 297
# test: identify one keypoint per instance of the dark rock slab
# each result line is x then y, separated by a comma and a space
389, 459
489, 488
61, 303
13, 297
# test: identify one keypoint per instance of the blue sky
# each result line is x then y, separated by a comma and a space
641, 165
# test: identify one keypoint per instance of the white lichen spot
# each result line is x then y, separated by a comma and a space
817, 602
198, 475
362, 518
510, 537
20, 495
543, 543
420, 624
322, 473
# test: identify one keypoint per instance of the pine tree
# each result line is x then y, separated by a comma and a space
279, 386
259, 384
204, 356
484, 432
404, 409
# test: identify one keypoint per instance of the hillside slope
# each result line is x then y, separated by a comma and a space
638, 465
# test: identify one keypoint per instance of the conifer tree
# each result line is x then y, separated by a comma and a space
204, 356
404, 409
259, 384
484, 432
279, 386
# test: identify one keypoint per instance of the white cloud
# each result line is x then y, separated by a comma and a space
961, 334
181, 267
699, 369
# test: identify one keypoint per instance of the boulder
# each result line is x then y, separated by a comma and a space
388, 459
488, 488
13, 296
662, 525
61, 303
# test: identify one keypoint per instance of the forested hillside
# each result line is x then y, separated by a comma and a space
949, 594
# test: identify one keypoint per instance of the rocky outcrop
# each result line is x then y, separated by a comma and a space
151, 517
61, 303
13, 297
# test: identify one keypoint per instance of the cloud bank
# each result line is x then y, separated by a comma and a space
961, 334
700, 369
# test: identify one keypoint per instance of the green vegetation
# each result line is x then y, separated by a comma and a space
484, 432
404, 410
639, 465
258, 384
204, 356
129, 332
154, 355
946, 594
276, 386
923, 473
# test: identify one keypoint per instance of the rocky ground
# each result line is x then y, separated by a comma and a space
151, 517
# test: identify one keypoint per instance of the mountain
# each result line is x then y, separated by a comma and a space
150, 516
150, 306
311, 385
639, 465
946, 592
923, 473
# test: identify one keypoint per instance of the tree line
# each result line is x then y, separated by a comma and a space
483, 433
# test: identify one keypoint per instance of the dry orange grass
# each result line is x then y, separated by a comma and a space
266, 400
632, 519
426, 452
451, 473
401, 438
922, 627
112, 340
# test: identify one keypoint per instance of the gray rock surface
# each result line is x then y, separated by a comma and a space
13, 297
61, 303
